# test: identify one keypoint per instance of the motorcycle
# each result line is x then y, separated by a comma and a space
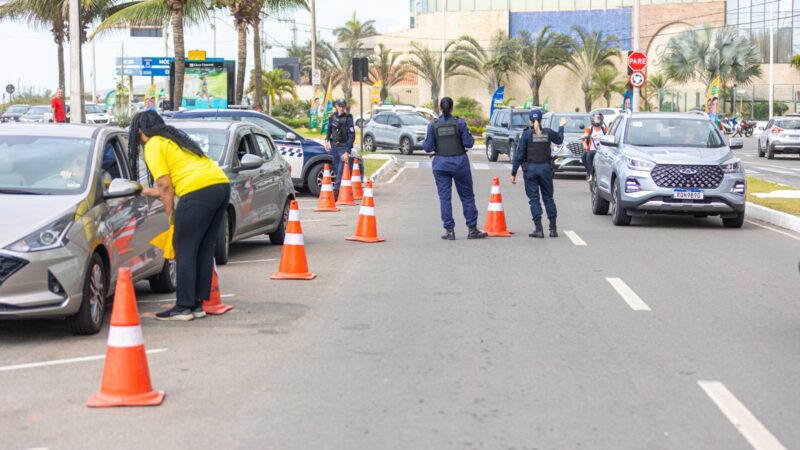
728, 126
747, 128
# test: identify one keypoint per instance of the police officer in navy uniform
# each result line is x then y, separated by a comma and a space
449, 138
339, 140
533, 154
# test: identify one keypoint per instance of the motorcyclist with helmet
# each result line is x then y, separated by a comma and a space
591, 140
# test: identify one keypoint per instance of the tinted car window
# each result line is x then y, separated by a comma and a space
519, 120
575, 122
211, 141
17, 109
273, 130
413, 119
393, 120
28, 163
382, 119
265, 146
93, 109
669, 132
788, 124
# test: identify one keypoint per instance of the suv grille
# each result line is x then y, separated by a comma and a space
687, 176
9, 266
576, 148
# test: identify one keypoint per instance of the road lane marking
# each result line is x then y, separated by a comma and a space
480, 166
752, 172
627, 294
57, 362
412, 164
745, 422
396, 175
769, 169
251, 261
773, 229
573, 236
164, 300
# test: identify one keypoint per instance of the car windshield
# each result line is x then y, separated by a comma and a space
93, 109
788, 124
519, 120
211, 141
38, 110
274, 130
44, 165
672, 132
17, 109
576, 123
413, 119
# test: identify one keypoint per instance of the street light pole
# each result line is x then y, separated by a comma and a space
444, 23
771, 59
75, 63
313, 39
636, 26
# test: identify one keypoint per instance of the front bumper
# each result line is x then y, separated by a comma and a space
568, 164
652, 199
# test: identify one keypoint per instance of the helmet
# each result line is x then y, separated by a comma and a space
340, 102
535, 115
597, 119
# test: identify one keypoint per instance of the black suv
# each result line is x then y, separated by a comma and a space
504, 132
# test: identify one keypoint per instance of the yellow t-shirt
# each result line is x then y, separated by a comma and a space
188, 171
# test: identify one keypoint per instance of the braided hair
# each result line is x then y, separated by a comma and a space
151, 124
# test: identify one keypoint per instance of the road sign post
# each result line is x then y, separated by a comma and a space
638, 79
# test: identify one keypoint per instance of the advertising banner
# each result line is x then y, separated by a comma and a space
712, 101
497, 99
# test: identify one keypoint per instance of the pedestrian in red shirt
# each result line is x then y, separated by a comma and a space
57, 107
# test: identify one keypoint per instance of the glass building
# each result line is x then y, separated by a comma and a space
755, 18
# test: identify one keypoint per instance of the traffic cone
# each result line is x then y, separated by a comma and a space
496, 217
367, 229
346, 188
355, 179
293, 265
126, 377
214, 305
326, 201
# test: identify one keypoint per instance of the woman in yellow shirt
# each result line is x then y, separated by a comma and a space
180, 167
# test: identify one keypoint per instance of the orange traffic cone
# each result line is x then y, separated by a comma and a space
496, 217
126, 377
355, 179
214, 305
346, 188
367, 229
293, 265
326, 201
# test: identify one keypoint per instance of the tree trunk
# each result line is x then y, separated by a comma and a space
180, 52
435, 98
259, 80
384, 93
608, 101
58, 36
241, 58
587, 97
535, 91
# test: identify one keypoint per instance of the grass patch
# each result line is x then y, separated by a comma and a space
371, 165
787, 205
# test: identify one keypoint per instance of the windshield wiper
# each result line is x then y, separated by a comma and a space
22, 192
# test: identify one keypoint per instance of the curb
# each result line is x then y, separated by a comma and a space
382, 170
772, 216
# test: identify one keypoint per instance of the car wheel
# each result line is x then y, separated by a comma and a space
277, 236
511, 149
734, 222
760, 149
314, 178
771, 152
748, 133
491, 153
619, 216
369, 143
405, 146
222, 251
166, 281
89, 318
599, 204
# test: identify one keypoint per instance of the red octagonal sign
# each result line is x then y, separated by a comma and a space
637, 61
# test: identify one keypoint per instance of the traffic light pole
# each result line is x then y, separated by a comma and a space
636, 43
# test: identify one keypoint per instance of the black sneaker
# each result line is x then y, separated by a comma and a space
175, 313
198, 312
475, 233
449, 235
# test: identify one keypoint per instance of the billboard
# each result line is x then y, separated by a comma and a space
207, 84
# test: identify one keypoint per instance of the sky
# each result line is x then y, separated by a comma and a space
28, 56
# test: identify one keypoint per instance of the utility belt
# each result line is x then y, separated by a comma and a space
551, 162
338, 144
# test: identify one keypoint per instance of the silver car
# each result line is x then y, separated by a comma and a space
402, 130
667, 163
568, 156
72, 217
780, 135
37, 114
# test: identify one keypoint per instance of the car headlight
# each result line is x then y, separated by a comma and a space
53, 235
639, 164
732, 166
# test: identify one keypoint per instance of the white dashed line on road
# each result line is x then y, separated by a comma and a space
57, 362
627, 294
773, 229
396, 175
745, 422
480, 166
253, 261
412, 164
573, 236
769, 169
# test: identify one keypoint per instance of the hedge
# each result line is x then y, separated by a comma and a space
293, 123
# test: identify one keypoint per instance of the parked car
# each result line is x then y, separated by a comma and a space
95, 114
568, 157
306, 156
77, 219
14, 112
404, 131
261, 184
780, 135
609, 114
424, 112
667, 163
37, 114
504, 132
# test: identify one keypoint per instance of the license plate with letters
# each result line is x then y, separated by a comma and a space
688, 194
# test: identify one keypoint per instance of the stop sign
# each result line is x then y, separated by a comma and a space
637, 61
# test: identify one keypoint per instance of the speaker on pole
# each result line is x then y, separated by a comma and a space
360, 69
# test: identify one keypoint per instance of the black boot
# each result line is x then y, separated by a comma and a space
475, 233
553, 232
538, 232
449, 235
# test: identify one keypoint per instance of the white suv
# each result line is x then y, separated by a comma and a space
425, 112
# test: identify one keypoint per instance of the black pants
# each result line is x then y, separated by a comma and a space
588, 161
198, 219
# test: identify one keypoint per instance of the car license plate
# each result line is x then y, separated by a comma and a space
688, 194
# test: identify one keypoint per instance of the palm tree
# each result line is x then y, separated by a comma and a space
702, 55
387, 70
354, 30
591, 52
539, 55
605, 83
490, 65
653, 89
240, 10
275, 83
428, 64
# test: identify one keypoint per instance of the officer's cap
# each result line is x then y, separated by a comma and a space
535, 115
340, 102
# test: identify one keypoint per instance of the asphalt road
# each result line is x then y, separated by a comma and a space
784, 169
670, 334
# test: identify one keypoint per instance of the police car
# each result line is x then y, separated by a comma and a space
306, 156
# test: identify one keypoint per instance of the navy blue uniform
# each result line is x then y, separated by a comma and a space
340, 144
538, 176
449, 169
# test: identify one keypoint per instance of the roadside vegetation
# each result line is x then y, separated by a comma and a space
757, 186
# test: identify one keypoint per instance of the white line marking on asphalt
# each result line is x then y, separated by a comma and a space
480, 166
508, 166
573, 236
628, 295
753, 172
164, 300
252, 261
412, 164
745, 422
773, 229
56, 362
769, 169
396, 175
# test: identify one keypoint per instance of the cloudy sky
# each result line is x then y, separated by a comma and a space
28, 56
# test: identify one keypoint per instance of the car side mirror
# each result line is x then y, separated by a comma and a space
119, 188
291, 136
736, 144
249, 162
504, 124
608, 140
